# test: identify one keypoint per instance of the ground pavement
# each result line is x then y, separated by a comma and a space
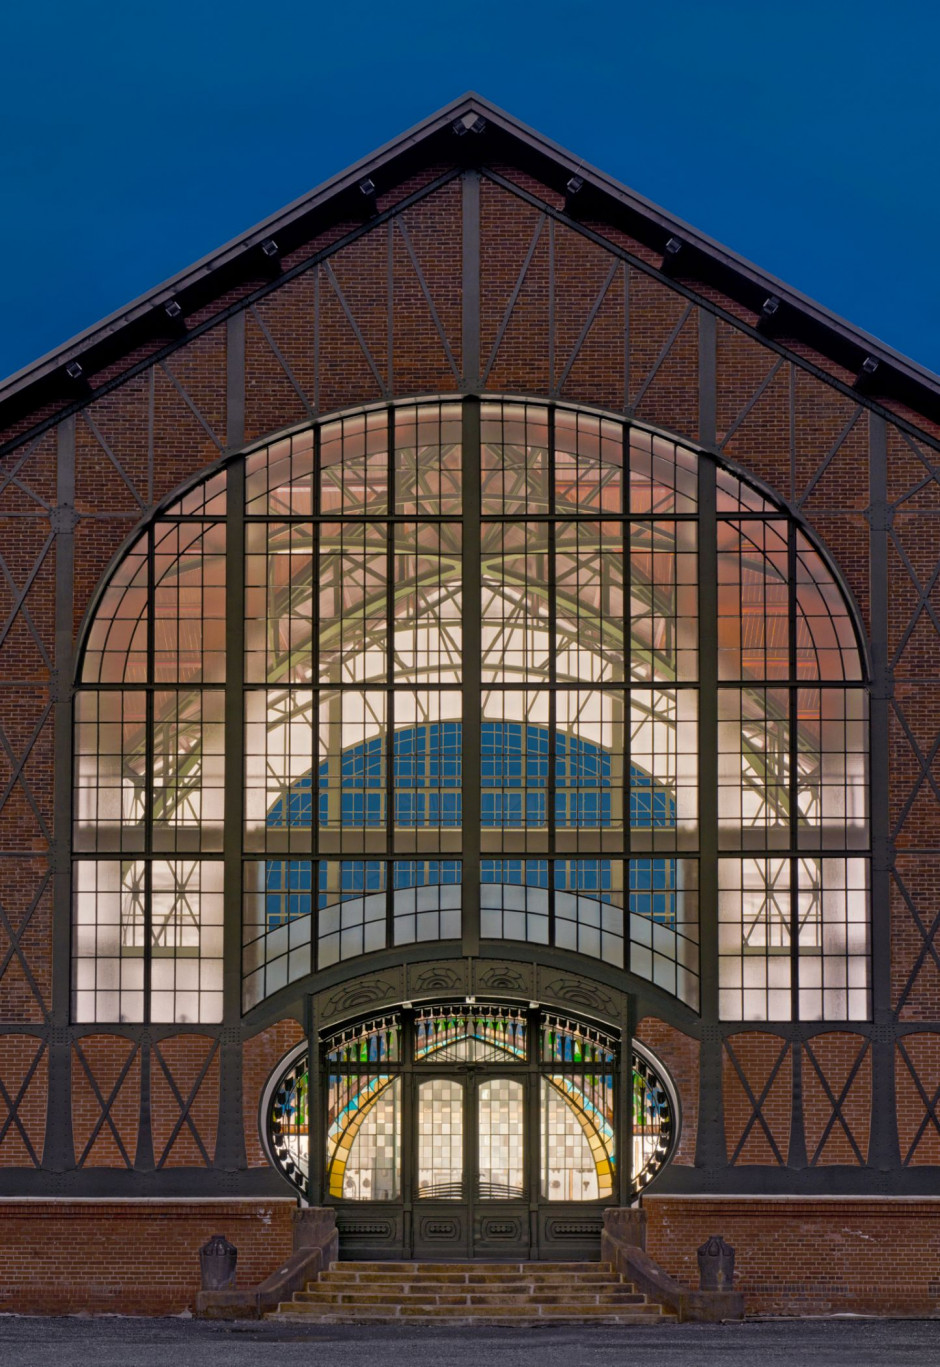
120, 1342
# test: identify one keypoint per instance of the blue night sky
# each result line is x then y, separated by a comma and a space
136, 138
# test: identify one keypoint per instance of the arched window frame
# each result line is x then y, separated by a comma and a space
178, 888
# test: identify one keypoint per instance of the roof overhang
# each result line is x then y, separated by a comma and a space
492, 137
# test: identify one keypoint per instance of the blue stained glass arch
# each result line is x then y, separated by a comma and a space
513, 753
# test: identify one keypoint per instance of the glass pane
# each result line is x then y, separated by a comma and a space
575, 1161
189, 602
826, 647
426, 901
354, 464
373, 1169
279, 478
188, 769
428, 459
279, 588
501, 1110
514, 459
373, 1041
116, 646
588, 463
110, 772
440, 1140
565, 1041
589, 601
663, 601
663, 476
289, 1124
514, 608
185, 900
364, 1137
427, 603
352, 577
653, 1121
753, 600
469, 1034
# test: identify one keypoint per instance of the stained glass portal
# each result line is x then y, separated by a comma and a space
468, 1067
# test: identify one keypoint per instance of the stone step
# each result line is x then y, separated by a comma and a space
523, 1293
495, 1321
436, 1288
548, 1279
421, 1268
509, 1297
489, 1314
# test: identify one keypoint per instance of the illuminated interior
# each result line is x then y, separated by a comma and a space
471, 661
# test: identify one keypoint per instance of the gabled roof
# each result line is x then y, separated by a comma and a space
503, 140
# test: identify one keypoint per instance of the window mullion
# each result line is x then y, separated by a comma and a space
390, 785
550, 785
315, 541
626, 544
149, 775
471, 689
792, 777
708, 735
234, 792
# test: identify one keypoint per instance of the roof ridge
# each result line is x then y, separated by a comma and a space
633, 205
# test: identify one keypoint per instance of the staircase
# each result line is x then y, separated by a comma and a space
470, 1293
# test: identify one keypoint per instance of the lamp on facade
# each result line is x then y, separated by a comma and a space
865, 379
768, 313
671, 254
468, 123
271, 256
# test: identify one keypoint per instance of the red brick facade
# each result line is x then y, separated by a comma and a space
680, 1054
62, 1257
794, 1256
161, 414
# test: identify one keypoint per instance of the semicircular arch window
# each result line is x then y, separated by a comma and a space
508, 669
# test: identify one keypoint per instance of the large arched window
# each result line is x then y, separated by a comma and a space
471, 671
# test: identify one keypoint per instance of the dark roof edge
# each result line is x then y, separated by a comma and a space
236, 246
693, 237
538, 143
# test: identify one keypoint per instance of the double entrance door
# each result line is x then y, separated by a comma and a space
470, 1131
471, 1172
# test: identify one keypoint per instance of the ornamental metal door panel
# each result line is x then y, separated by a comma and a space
472, 1169
503, 1167
439, 1178
471, 1177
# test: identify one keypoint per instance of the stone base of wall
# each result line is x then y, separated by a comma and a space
797, 1256
131, 1257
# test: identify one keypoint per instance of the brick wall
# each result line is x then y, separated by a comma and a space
794, 1256
400, 282
260, 1055
878, 1255
60, 1257
680, 1054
